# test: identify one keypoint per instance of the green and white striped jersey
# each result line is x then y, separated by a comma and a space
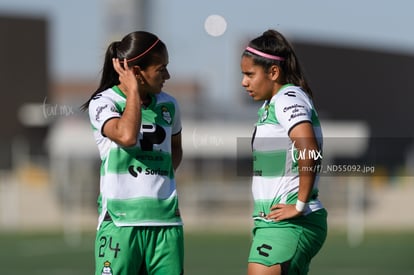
137, 185
275, 160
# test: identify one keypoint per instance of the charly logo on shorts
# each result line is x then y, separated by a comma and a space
107, 270
262, 247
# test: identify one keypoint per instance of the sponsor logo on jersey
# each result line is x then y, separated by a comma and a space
290, 93
97, 96
99, 110
151, 134
295, 115
135, 171
295, 111
294, 108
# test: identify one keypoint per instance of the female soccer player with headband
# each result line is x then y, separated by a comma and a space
290, 223
137, 129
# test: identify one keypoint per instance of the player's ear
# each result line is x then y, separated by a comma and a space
274, 72
137, 70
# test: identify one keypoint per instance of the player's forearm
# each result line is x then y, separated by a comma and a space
176, 150
177, 157
307, 173
129, 124
307, 148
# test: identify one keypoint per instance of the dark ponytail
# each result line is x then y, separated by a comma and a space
274, 43
294, 73
140, 47
109, 76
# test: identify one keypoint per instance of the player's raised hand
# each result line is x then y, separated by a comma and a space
128, 76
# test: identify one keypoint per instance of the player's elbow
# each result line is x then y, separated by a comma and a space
127, 140
123, 134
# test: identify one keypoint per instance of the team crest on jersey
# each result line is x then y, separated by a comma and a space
265, 113
166, 115
107, 270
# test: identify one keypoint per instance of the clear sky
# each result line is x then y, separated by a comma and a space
79, 30
380, 24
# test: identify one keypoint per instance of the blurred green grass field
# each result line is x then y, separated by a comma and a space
210, 253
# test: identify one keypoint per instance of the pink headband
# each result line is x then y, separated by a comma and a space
142, 54
265, 55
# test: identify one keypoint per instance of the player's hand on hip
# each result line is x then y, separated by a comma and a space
280, 212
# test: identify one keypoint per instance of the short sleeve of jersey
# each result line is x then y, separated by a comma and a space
292, 108
101, 109
176, 126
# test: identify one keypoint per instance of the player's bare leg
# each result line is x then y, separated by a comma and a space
259, 269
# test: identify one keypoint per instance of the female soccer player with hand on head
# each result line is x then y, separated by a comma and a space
137, 128
290, 223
